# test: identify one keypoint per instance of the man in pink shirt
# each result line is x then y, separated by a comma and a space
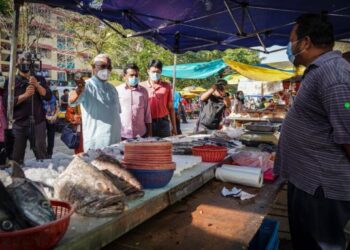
135, 109
161, 101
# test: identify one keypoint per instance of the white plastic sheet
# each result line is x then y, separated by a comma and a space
248, 176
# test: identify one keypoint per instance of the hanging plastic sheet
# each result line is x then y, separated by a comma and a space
261, 72
199, 70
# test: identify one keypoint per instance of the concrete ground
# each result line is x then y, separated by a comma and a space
62, 148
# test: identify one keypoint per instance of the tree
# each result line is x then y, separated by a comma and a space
90, 31
31, 21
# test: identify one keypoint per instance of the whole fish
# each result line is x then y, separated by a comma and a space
90, 190
30, 198
105, 162
10, 217
31, 201
130, 191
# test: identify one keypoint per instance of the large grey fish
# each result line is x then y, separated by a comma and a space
106, 162
130, 191
30, 198
10, 217
90, 190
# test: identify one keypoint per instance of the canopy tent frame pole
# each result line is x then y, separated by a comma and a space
176, 50
174, 74
173, 23
254, 27
232, 17
332, 13
13, 59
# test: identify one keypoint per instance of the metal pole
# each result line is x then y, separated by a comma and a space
174, 74
232, 17
12, 74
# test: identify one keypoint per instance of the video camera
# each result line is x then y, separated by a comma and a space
220, 84
32, 63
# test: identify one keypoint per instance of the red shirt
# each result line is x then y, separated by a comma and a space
160, 95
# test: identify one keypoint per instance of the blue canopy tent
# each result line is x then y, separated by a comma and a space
186, 25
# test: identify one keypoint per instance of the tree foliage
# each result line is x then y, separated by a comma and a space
91, 36
140, 51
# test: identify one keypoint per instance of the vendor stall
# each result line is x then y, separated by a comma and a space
193, 161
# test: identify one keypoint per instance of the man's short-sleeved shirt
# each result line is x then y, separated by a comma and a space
100, 110
160, 95
310, 152
177, 100
135, 110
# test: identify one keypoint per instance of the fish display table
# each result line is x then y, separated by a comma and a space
215, 222
94, 233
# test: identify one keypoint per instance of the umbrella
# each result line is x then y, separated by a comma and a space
198, 90
186, 94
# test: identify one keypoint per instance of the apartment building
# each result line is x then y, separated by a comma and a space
5, 47
61, 57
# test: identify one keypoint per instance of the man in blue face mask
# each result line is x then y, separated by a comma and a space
161, 101
136, 114
314, 147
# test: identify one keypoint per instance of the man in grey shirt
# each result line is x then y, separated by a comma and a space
314, 148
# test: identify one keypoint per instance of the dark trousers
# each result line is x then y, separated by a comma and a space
178, 123
161, 127
315, 221
22, 135
183, 114
50, 128
3, 154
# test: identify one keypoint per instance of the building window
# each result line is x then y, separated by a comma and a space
61, 76
61, 42
45, 53
61, 61
5, 57
70, 62
70, 43
5, 46
60, 24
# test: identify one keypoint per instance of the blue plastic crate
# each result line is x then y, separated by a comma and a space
153, 178
266, 238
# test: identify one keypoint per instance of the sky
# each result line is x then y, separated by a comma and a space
279, 56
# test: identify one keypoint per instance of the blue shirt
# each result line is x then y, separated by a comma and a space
100, 110
50, 106
310, 151
177, 99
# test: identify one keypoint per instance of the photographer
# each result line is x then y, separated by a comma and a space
214, 103
29, 114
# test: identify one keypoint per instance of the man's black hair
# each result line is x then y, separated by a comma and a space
318, 28
221, 82
65, 90
155, 63
131, 66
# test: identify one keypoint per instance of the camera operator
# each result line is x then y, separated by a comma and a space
214, 103
29, 114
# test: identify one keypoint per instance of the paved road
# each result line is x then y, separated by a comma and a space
60, 147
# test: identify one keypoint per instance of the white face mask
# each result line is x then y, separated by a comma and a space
154, 76
2, 82
103, 74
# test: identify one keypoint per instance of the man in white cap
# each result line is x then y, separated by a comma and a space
100, 106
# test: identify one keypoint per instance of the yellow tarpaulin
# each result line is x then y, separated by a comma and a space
198, 90
260, 73
186, 94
